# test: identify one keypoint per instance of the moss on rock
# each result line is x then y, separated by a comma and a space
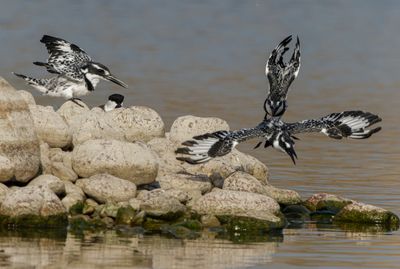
125, 215
60, 220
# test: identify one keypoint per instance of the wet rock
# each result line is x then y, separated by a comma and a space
7, 169
125, 215
108, 210
296, 213
50, 126
186, 127
18, 139
357, 212
71, 200
282, 196
135, 162
185, 182
31, 206
210, 221
107, 188
160, 205
89, 206
69, 111
238, 207
27, 96
326, 201
240, 181
50, 181
83, 222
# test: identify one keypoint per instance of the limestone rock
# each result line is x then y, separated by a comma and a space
185, 182
326, 201
186, 127
69, 111
71, 200
129, 124
137, 123
357, 212
238, 204
3, 191
18, 139
135, 162
27, 96
159, 204
71, 188
50, 181
240, 181
7, 170
107, 188
282, 196
50, 126
31, 200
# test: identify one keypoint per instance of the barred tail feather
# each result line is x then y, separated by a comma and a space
36, 83
352, 124
205, 147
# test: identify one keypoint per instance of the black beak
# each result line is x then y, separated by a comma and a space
116, 81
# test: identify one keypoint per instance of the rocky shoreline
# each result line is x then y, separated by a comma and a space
89, 169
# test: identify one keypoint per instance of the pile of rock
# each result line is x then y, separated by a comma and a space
89, 168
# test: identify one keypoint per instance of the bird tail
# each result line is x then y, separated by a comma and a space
352, 124
38, 84
205, 147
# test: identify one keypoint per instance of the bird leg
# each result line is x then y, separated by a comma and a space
74, 101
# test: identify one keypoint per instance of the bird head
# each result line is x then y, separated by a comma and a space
95, 71
275, 108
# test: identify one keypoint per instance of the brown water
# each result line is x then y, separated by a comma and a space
206, 58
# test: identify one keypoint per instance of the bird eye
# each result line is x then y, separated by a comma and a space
101, 71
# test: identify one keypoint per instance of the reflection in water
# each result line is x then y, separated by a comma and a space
314, 246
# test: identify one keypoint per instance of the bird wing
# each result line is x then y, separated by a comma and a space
204, 147
352, 124
64, 58
280, 74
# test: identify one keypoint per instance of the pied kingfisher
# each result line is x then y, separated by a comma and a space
280, 76
77, 74
279, 135
114, 101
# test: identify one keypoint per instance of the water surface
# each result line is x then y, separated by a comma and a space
206, 58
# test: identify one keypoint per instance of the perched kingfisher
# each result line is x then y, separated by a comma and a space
114, 101
279, 135
77, 74
280, 76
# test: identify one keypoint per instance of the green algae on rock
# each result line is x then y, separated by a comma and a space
368, 214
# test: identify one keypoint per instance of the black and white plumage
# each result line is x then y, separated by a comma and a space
280, 76
114, 101
77, 74
279, 135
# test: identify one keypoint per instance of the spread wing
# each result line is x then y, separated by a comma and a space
280, 74
64, 58
352, 124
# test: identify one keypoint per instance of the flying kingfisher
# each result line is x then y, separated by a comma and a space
77, 74
280, 76
279, 135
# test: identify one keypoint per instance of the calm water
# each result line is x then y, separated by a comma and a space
207, 58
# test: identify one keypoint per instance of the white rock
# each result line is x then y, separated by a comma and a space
185, 127
31, 200
135, 162
53, 183
18, 139
69, 111
27, 96
185, 182
106, 188
7, 170
50, 126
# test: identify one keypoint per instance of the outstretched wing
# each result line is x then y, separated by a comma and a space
64, 57
352, 124
204, 147
280, 74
